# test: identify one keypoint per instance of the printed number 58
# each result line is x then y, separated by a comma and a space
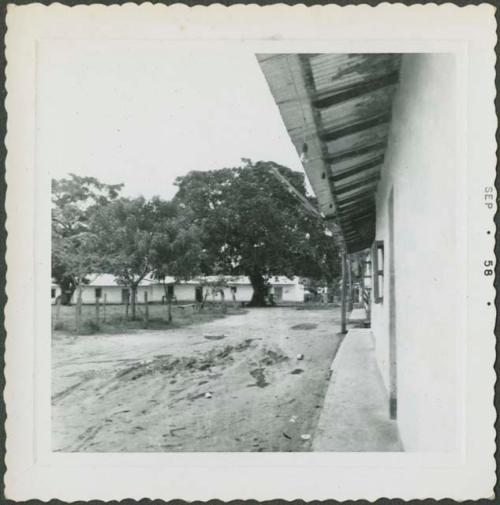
488, 271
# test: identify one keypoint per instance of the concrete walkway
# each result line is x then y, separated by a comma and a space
355, 416
358, 315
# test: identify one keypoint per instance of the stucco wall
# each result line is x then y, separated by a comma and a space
185, 293
293, 293
420, 168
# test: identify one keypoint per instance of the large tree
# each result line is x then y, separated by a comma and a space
176, 247
253, 225
139, 237
75, 199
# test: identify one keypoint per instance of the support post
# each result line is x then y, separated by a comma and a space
349, 280
343, 315
57, 312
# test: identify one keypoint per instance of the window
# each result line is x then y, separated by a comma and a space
233, 289
98, 292
367, 273
52, 292
378, 271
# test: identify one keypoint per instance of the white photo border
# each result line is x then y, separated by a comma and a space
33, 471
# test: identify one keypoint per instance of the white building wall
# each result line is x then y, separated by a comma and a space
243, 293
420, 166
184, 293
113, 294
293, 293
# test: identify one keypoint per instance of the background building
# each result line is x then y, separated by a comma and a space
282, 288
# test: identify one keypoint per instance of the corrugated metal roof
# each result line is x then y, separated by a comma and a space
337, 110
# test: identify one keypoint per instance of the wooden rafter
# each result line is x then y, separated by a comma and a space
354, 152
348, 129
356, 169
359, 195
339, 106
358, 183
328, 98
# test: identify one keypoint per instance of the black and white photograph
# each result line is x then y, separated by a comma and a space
209, 298
258, 246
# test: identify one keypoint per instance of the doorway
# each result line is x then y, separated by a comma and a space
278, 293
198, 294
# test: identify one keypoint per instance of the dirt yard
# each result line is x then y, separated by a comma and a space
232, 384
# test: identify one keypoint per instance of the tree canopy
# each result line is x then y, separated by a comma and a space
74, 202
252, 225
138, 237
232, 221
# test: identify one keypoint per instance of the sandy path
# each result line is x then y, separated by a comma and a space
145, 391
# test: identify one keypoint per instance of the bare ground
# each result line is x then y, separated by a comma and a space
232, 384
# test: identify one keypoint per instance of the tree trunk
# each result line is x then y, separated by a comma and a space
168, 299
146, 309
204, 299
259, 291
78, 308
68, 288
134, 295
222, 300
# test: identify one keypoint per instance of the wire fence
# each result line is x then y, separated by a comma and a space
101, 316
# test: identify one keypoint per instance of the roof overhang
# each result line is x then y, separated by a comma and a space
337, 110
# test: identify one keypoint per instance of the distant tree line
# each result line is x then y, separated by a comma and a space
232, 221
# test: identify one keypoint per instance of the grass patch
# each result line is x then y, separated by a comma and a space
113, 319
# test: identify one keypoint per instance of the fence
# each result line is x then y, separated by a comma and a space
91, 317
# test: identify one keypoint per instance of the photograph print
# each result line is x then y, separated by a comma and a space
251, 252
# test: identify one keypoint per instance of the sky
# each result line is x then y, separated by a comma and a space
144, 113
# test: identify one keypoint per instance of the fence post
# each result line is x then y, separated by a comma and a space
104, 301
97, 311
78, 308
146, 308
223, 300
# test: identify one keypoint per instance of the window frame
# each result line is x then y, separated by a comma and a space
378, 271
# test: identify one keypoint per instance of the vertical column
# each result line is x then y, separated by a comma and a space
343, 314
